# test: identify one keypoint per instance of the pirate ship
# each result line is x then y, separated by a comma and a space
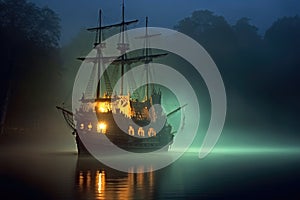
139, 116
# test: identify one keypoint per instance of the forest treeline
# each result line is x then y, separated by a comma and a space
30, 64
240, 52
262, 70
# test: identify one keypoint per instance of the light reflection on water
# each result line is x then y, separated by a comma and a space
232, 176
32, 174
96, 181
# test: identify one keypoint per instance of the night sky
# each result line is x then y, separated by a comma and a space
78, 14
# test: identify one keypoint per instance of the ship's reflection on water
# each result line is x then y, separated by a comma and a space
93, 180
32, 174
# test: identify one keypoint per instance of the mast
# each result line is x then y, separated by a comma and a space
122, 47
148, 57
100, 25
123, 20
146, 61
99, 53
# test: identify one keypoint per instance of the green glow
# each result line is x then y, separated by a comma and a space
249, 150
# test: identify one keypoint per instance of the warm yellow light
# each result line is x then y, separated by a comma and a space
141, 132
101, 127
102, 109
101, 181
90, 126
81, 126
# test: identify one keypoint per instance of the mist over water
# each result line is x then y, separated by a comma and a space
257, 155
28, 172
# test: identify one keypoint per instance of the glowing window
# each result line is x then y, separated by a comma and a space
90, 126
101, 127
141, 132
81, 126
151, 132
130, 130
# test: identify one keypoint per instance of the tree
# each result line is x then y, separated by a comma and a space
282, 39
25, 21
29, 38
214, 33
261, 72
283, 50
249, 56
246, 34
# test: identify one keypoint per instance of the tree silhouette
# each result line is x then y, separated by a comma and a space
283, 61
261, 71
211, 31
247, 36
29, 38
249, 59
22, 20
283, 41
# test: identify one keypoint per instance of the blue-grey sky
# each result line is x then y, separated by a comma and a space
76, 14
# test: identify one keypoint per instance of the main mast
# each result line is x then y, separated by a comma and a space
147, 60
98, 45
122, 47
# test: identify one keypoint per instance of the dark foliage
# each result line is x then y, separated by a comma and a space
30, 61
262, 71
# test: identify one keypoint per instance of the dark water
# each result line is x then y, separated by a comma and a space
27, 173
